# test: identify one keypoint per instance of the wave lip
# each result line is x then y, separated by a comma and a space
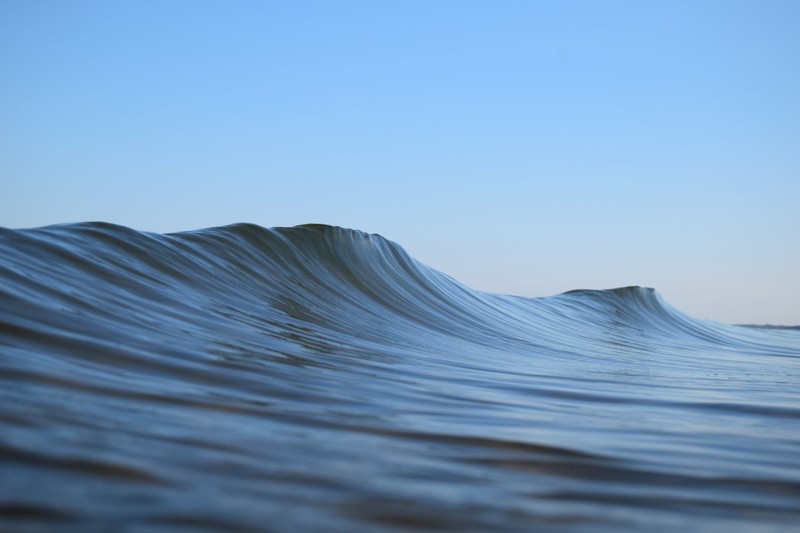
320, 377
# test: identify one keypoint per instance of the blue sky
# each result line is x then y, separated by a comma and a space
521, 147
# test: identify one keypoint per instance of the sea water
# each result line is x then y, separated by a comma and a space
316, 378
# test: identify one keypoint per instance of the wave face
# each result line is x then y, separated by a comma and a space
317, 378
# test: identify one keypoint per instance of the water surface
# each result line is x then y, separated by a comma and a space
316, 378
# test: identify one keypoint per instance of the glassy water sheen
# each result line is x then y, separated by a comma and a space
317, 378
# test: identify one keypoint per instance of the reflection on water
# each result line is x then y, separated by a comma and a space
317, 378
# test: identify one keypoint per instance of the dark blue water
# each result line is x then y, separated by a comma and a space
317, 378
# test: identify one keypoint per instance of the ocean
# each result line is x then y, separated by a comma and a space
320, 379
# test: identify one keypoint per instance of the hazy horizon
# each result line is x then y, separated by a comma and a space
521, 148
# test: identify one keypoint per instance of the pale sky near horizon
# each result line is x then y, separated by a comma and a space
521, 147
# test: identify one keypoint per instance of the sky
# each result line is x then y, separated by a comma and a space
522, 147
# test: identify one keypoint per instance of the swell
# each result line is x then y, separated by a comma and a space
324, 276
166, 303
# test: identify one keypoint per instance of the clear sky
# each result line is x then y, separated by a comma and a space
521, 147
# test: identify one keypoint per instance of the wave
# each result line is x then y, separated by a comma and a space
321, 378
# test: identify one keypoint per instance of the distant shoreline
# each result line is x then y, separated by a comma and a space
768, 326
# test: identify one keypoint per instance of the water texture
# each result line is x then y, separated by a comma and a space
317, 378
